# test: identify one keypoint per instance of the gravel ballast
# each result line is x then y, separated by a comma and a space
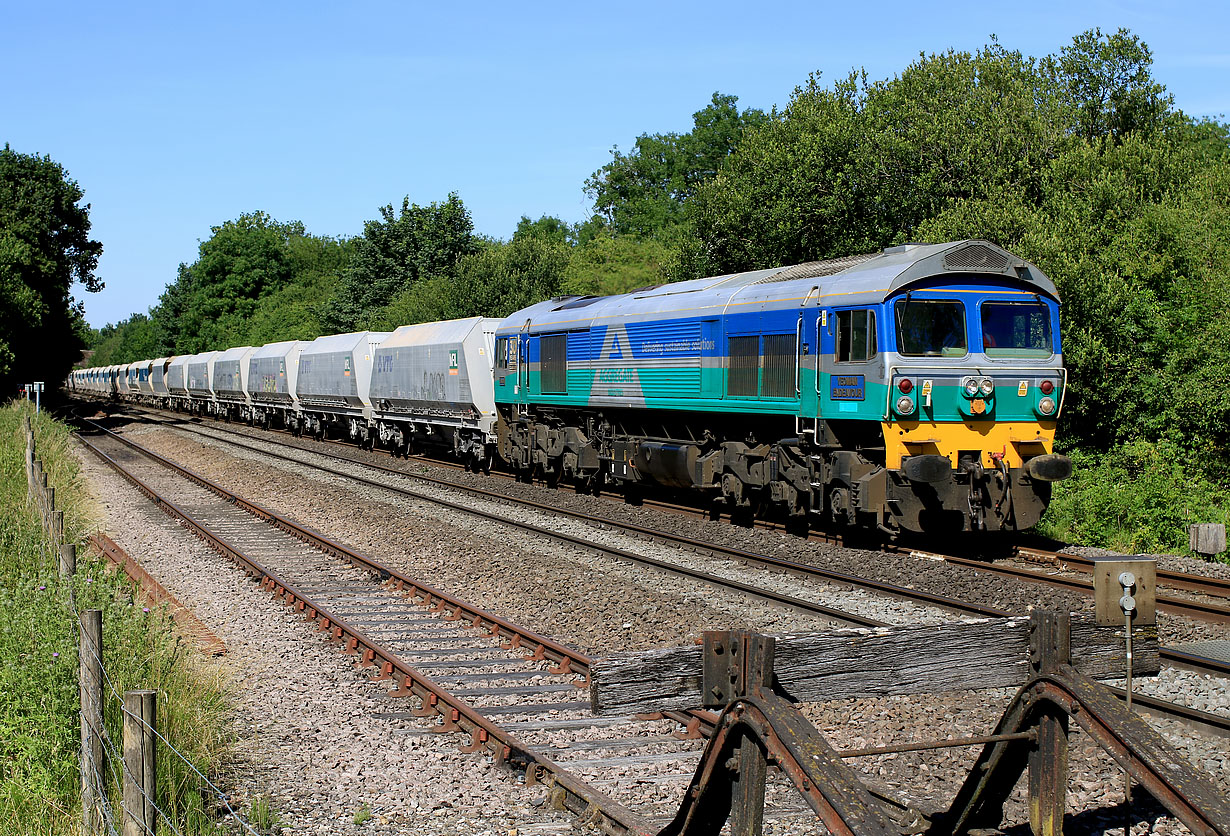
536, 582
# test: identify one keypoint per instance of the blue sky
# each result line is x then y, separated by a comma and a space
175, 117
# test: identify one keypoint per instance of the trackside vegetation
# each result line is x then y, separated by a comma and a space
40, 787
1078, 161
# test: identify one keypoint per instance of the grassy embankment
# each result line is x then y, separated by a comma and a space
39, 720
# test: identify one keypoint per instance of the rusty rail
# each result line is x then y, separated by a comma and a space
185, 620
457, 716
1175, 606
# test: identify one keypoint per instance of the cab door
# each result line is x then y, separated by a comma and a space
850, 383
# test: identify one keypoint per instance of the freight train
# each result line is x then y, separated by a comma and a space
911, 390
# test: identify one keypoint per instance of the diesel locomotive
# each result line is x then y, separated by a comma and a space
910, 390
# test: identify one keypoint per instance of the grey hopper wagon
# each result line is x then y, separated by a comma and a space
197, 375
177, 380
158, 378
273, 372
229, 374
431, 385
335, 375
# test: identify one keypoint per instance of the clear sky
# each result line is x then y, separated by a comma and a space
175, 117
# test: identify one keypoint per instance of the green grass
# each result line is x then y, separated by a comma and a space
39, 720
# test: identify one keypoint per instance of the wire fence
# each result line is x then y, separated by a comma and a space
119, 779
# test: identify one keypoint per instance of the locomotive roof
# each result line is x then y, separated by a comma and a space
858, 279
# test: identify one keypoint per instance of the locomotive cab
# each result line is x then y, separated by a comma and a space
975, 384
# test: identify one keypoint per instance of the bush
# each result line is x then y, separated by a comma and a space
1138, 499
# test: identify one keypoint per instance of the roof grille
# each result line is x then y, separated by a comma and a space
816, 269
976, 257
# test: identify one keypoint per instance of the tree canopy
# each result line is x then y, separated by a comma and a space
397, 252
45, 248
643, 192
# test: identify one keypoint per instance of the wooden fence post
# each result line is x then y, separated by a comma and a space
57, 527
68, 560
140, 763
92, 795
1049, 648
36, 492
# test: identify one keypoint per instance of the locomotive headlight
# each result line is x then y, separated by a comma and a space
905, 405
1046, 406
970, 386
986, 386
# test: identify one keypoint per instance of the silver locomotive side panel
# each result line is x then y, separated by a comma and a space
437, 373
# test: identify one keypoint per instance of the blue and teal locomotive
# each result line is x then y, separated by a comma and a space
915, 389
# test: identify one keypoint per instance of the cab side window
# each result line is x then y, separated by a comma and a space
856, 336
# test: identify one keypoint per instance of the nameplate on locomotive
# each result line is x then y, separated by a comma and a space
846, 387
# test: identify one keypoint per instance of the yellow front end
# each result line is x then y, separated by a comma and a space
1010, 442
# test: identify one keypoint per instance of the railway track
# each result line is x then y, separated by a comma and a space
1211, 722
519, 696
1214, 611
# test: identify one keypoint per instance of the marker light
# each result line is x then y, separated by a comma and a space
905, 385
905, 405
970, 386
986, 386
1046, 406
1047, 387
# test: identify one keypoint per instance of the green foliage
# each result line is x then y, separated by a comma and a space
362, 815
256, 281
242, 261
262, 816
44, 249
1138, 499
644, 191
395, 253
494, 282
548, 228
859, 166
608, 264
1104, 81
39, 719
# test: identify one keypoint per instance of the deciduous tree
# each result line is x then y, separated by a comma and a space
45, 248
